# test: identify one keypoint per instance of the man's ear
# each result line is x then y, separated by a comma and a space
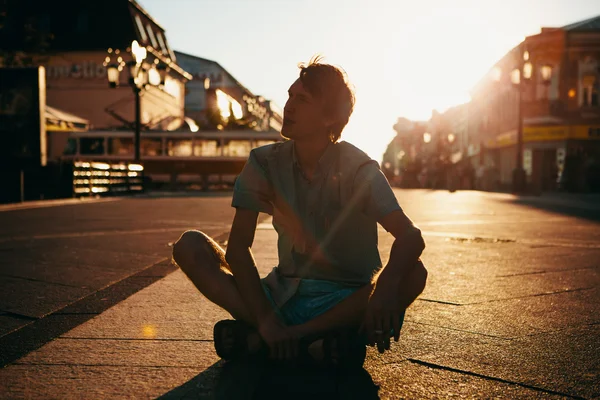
329, 118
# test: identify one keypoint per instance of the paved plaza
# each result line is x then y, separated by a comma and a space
91, 306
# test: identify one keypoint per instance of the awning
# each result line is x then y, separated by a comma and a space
62, 121
543, 120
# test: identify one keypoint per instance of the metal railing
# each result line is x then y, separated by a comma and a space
100, 178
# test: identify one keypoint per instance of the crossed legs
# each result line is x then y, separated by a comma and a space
203, 261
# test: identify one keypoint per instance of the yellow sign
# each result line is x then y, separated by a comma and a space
586, 132
546, 134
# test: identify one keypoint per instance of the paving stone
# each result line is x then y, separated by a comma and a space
10, 323
147, 244
140, 353
562, 361
514, 318
479, 349
80, 267
409, 381
468, 289
91, 382
35, 299
172, 306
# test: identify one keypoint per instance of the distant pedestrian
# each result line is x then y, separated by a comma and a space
330, 295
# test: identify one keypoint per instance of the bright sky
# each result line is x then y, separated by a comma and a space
405, 58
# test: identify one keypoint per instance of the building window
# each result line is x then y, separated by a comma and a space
120, 146
91, 146
151, 147
237, 148
140, 27
179, 148
206, 148
589, 91
70, 147
151, 36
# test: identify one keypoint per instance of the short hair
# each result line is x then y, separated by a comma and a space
329, 84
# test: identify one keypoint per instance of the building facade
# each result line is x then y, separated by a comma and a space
560, 111
402, 160
215, 99
77, 41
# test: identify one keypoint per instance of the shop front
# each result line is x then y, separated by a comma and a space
557, 157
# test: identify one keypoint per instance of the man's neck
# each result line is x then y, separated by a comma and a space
309, 153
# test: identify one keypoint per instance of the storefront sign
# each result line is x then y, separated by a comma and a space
84, 70
594, 133
586, 132
545, 133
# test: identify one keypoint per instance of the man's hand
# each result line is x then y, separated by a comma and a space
383, 314
280, 338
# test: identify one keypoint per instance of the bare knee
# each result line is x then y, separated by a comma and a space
191, 247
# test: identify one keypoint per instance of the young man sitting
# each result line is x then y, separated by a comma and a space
329, 296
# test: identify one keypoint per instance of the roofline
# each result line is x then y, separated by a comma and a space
575, 25
146, 14
219, 65
485, 76
172, 64
566, 29
197, 57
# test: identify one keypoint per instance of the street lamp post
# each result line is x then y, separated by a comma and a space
139, 78
519, 77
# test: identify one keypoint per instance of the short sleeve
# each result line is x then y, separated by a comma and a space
375, 194
252, 189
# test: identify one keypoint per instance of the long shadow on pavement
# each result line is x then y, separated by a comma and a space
576, 208
255, 380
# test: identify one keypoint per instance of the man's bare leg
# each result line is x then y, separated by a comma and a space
203, 261
350, 312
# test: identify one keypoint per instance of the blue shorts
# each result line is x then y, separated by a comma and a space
313, 298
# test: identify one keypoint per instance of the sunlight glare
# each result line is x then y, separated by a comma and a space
149, 331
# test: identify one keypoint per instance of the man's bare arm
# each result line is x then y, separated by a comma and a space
242, 264
406, 249
397, 285
279, 338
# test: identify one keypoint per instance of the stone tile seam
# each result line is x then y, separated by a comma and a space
530, 295
566, 329
5, 313
40, 281
506, 298
71, 235
511, 338
493, 378
104, 365
65, 338
549, 272
82, 298
462, 330
219, 237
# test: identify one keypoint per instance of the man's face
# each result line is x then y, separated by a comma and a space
303, 117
